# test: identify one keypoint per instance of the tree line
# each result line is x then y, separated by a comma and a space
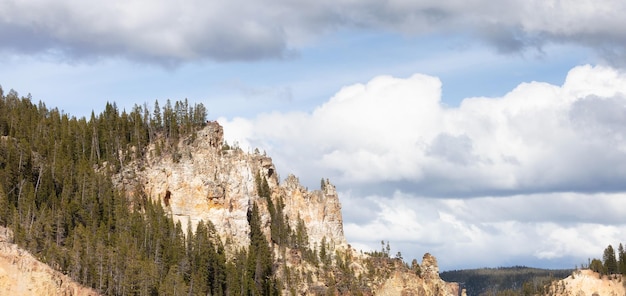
611, 263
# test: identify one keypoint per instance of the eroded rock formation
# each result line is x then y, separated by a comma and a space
410, 284
588, 283
201, 180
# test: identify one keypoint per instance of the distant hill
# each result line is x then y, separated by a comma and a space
488, 281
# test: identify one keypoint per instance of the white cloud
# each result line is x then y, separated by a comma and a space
535, 176
537, 138
559, 230
172, 32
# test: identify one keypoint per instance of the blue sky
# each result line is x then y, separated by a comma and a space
298, 82
487, 134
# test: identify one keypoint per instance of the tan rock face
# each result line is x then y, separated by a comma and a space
201, 181
320, 210
430, 269
410, 284
23, 274
588, 283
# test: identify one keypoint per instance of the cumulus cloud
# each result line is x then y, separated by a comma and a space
173, 32
394, 133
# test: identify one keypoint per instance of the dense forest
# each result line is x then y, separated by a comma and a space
60, 207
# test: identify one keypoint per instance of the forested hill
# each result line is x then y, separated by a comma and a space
60, 207
517, 280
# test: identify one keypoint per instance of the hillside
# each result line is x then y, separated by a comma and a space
587, 282
22, 274
489, 281
155, 203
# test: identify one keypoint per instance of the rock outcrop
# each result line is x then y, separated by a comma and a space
587, 283
23, 274
410, 284
203, 180
200, 178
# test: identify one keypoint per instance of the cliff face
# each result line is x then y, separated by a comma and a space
23, 274
200, 180
588, 283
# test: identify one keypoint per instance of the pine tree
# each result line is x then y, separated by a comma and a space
610, 263
174, 283
5, 210
302, 238
621, 259
259, 257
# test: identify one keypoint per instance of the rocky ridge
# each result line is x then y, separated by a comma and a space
409, 284
23, 274
201, 178
204, 180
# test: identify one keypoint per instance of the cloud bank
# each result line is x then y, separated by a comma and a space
395, 133
173, 32
536, 175
542, 230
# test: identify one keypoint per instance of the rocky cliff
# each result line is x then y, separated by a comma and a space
23, 274
200, 178
588, 283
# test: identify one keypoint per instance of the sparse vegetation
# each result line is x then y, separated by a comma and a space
610, 263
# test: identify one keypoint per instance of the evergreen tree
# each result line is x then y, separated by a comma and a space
199, 115
610, 263
621, 259
301, 236
5, 210
260, 259
173, 283
596, 266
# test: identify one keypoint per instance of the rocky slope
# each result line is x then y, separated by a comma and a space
588, 283
200, 178
23, 274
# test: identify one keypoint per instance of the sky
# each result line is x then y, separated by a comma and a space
486, 133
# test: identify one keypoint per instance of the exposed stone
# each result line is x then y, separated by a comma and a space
206, 182
430, 269
320, 210
211, 184
586, 282
23, 274
410, 284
